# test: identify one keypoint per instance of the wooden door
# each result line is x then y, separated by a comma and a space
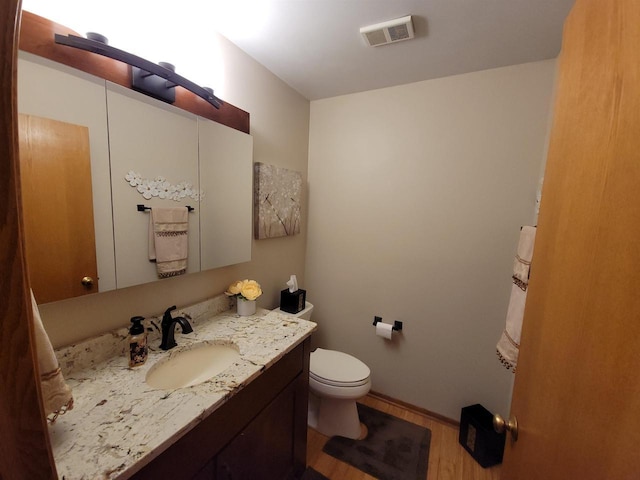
577, 389
55, 170
24, 440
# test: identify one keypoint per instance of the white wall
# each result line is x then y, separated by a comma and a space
417, 195
280, 128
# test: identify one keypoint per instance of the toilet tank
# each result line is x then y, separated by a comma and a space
304, 314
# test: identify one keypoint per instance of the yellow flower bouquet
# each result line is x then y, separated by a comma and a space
244, 290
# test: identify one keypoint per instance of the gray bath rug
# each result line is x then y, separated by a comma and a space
394, 449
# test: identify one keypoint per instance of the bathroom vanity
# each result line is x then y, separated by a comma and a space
249, 421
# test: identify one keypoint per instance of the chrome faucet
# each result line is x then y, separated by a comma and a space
168, 328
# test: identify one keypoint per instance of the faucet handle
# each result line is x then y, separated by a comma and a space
167, 312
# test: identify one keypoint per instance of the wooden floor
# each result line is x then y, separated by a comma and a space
447, 459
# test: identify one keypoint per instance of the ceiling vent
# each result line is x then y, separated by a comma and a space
388, 32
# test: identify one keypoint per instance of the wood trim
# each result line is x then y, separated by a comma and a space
36, 37
415, 409
26, 451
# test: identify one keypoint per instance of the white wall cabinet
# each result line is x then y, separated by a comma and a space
153, 139
50, 90
130, 131
226, 176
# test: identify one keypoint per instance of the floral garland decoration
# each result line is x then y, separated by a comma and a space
161, 188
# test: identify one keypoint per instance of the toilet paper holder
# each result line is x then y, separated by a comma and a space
397, 325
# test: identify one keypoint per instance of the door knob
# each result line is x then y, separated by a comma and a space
511, 426
87, 281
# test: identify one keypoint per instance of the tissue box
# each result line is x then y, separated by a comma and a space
292, 302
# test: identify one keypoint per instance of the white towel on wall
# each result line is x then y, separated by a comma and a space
508, 346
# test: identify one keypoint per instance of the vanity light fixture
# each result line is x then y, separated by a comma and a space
158, 81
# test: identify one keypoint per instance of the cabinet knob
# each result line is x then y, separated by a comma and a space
87, 281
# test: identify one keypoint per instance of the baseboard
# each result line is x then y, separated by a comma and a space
415, 409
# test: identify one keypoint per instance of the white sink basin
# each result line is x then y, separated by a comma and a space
192, 366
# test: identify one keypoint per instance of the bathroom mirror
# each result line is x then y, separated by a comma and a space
129, 131
52, 91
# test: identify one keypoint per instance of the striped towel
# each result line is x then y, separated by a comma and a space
509, 344
168, 240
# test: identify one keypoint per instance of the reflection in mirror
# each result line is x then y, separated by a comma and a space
55, 171
158, 141
55, 92
222, 229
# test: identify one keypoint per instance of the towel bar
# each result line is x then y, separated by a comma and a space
142, 208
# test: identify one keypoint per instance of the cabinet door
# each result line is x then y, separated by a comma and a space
265, 449
226, 178
50, 90
208, 472
154, 140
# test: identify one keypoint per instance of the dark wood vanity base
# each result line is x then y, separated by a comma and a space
259, 433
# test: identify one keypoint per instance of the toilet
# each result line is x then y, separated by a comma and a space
336, 381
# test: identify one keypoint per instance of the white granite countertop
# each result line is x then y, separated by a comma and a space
119, 424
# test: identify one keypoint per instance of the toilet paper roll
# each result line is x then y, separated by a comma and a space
384, 330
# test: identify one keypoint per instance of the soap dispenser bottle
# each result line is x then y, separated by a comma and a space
138, 350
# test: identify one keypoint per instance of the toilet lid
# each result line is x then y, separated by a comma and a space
337, 368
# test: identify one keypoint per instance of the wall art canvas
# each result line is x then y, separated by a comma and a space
278, 192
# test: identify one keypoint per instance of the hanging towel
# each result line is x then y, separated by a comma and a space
522, 262
509, 343
168, 240
56, 394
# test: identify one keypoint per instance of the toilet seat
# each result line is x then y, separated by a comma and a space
338, 392
326, 381
337, 369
